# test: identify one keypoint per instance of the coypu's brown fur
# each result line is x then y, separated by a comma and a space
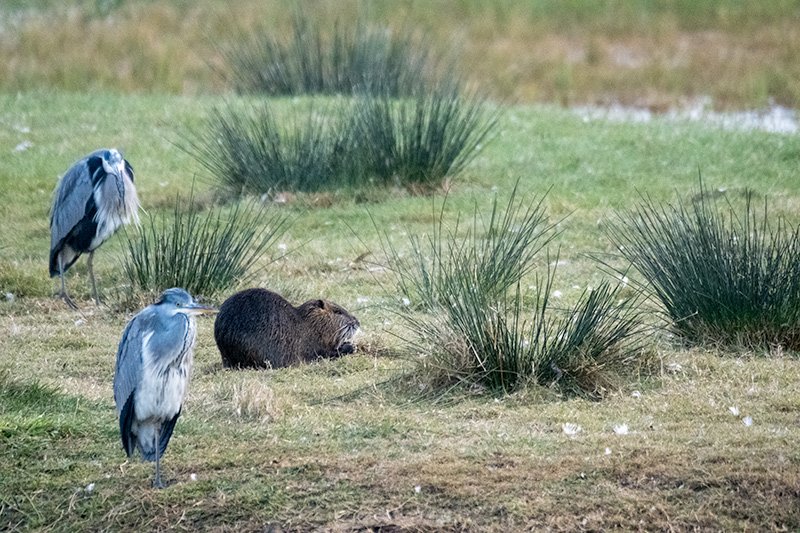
259, 328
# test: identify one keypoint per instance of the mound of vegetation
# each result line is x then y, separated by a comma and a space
468, 320
205, 253
723, 275
372, 140
404, 120
418, 141
345, 59
251, 150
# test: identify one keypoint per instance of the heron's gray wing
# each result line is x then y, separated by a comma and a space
126, 418
69, 204
128, 372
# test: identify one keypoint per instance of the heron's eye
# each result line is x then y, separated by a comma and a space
179, 304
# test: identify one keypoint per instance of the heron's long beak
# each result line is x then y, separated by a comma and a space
202, 309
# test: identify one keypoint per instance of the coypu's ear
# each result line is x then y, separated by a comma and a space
320, 303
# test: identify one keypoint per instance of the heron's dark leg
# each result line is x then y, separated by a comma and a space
91, 275
63, 285
157, 481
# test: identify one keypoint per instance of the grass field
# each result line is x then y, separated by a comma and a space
699, 439
354, 444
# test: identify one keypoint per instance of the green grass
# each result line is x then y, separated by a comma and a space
344, 444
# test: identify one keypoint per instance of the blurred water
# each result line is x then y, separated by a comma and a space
776, 119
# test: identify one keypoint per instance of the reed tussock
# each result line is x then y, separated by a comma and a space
468, 320
205, 253
724, 275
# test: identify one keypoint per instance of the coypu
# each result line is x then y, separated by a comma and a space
259, 328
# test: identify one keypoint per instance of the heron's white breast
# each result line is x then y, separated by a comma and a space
163, 385
117, 202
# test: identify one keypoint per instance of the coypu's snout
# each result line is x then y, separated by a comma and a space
349, 331
350, 324
347, 327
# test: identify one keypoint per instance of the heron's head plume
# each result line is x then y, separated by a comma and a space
180, 301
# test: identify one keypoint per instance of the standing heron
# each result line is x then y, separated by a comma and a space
93, 199
154, 361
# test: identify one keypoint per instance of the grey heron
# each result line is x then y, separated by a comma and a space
154, 361
92, 200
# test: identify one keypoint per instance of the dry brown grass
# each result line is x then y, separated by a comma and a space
252, 399
741, 56
320, 448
